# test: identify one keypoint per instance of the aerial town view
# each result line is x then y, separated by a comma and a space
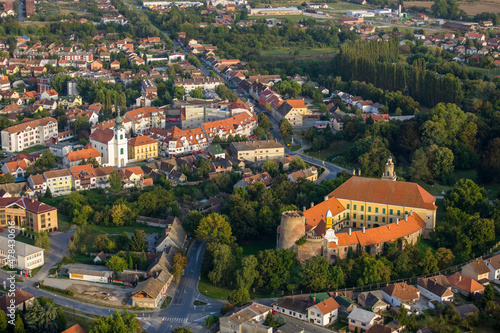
249, 166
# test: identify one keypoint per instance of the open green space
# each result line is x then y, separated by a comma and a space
166, 302
423, 245
298, 54
254, 247
205, 287
489, 72
291, 18
337, 148
24, 239
64, 223
31, 149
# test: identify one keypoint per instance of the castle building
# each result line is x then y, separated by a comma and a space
111, 144
374, 211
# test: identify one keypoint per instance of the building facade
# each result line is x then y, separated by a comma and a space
26, 257
29, 213
142, 148
29, 134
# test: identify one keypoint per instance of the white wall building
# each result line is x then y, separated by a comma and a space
29, 134
26, 257
111, 144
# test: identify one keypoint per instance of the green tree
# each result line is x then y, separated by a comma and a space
444, 257
467, 196
419, 166
48, 193
82, 215
40, 318
215, 228
239, 297
3, 321
179, 265
116, 263
224, 265
19, 325
42, 240
270, 320
374, 271
197, 93
47, 160
179, 329
61, 319
429, 263
270, 167
191, 222
138, 242
248, 272
118, 322
115, 183
285, 128
315, 273
101, 243
298, 163
403, 316
412, 323
119, 213
488, 295
442, 166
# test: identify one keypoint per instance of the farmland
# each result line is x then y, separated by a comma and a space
492, 6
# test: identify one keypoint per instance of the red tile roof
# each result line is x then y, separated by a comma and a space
33, 123
405, 194
30, 205
141, 141
102, 135
327, 306
465, 283
79, 155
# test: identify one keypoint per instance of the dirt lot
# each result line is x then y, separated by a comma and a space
102, 295
492, 6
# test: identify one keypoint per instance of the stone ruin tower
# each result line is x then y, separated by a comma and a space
292, 228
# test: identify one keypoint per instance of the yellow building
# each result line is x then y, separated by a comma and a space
142, 148
30, 213
371, 202
59, 182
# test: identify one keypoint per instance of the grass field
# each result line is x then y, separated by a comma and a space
485, 71
299, 54
491, 6
205, 287
257, 246
24, 239
337, 148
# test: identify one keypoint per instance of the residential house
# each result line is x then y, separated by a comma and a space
59, 182
173, 235
50, 94
372, 301
309, 174
84, 177
363, 320
346, 305
493, 264
37, 183
15, 168
257, 151
102, 176
76, 157
400, 293
288, 112
465, 285
264, 178
477, 270
293, 306
147, 294
216, 152
20, 299
323, 313
61, 149
248, 319
132, 176
221, 166
74, 329
436, 288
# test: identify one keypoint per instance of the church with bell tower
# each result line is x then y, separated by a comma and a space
111, 144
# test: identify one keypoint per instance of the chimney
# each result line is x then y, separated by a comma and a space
359, 172
389, 226
459, 278
411, 213
354, 172
406, 217
363, 229
304, 208
312, 204
326, 198
397, 221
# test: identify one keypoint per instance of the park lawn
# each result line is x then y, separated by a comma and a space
24, 239
254, 247
337, 148
205, 287
32, 149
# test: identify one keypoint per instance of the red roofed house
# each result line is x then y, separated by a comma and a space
50, 94
324, 313
400, 293
32, 214
84, 177
15, 168
132, 176
74, 329
74, 158
465, 285
142, 148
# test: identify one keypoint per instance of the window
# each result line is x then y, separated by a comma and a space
390, 220
362, 217
376, 209
406, 212
383, 219
347, 215
369, 209
369, 217
355, 207
399, 212
376, 218
348, 206
121, 136
354, 215
121, 151
391, 212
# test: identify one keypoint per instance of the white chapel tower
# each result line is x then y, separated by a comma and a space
120, 143
389, 172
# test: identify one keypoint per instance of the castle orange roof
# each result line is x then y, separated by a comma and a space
405, 194
296, 103
317, 213
83, 154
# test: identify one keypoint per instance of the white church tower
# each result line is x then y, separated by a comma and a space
120, 143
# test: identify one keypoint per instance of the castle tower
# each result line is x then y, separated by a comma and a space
328, 220
120, 143
292, 228
389, 172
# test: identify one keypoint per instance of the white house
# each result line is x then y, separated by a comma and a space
398, 293
26, 257
324, 313
436, 288
88, 275
363, 319
493, 264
